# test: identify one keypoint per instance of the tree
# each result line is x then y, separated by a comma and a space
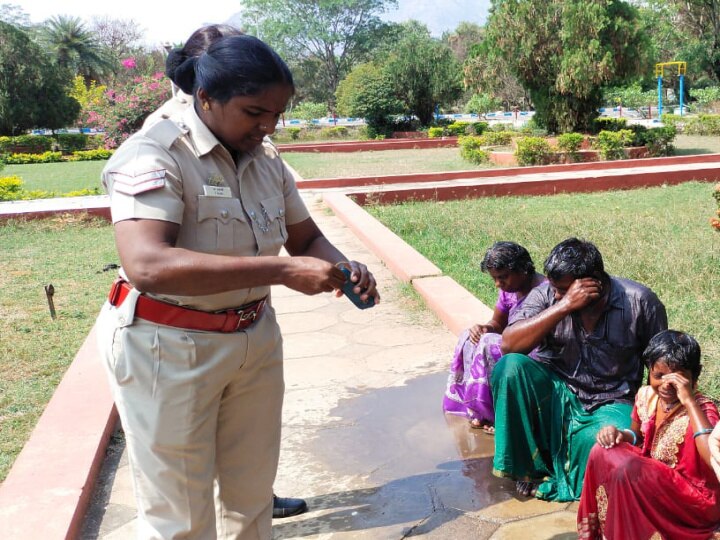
119, 37
565, 51
368, 93
32, 94
15, 15
75, 47
484, 73
482, 104
338, 33
701, 18
463, 38
423, 71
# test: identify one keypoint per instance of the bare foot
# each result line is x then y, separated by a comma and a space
526, 489
475, 423
489, 429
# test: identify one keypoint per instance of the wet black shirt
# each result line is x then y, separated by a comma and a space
606, 365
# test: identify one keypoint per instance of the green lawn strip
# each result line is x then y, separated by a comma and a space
69, 253
351, 164
686, 145
658, 236
62, 177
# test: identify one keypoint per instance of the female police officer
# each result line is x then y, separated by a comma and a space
201, 208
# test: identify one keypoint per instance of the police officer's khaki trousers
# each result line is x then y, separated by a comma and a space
201, 414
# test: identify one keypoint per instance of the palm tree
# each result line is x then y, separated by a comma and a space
75, 47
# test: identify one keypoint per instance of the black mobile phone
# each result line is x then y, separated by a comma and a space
347, 289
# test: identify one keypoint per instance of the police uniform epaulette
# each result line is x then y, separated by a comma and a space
165, 132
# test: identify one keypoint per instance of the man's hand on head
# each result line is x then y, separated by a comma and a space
582, 293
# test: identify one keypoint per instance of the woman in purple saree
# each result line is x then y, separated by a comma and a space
478, 349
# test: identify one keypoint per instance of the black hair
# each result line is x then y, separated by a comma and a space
576, 258
233, 66
508, 256
198, 42
676, 349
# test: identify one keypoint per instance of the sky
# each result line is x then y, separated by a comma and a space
165, 21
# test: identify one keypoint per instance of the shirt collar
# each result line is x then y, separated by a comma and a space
616, 298
204, 139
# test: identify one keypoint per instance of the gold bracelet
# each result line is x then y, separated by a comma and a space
342, 264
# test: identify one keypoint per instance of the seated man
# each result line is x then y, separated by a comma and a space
590, 330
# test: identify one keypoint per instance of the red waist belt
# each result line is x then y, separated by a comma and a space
231, 320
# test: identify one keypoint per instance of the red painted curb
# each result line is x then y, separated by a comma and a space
338, 182
456, 307
402, 260
539, 186
48, 490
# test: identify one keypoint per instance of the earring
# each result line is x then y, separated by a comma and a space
205, 106
263, 127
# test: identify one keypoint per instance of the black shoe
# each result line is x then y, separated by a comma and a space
285, 507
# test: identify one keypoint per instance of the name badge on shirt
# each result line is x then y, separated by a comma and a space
217, 191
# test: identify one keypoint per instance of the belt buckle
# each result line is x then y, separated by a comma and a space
245, 318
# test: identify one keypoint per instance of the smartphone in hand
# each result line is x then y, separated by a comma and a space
347, 290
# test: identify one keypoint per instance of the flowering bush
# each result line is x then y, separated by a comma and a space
126, 106
715, 222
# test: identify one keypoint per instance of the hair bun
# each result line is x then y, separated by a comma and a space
174, 59
184, 75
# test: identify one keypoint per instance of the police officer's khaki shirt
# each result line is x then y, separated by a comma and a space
177, 171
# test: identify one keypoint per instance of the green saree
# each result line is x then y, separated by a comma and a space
542, 433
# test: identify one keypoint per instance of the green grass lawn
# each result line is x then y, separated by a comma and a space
686, 145
58, 177
659, 236
350, 164
70, 254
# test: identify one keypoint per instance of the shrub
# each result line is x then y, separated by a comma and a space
294, 133
82, 192
435, 132
672, 120
533, 151
91, 155
704, 124
715, 222
611, 144
95, 141
479, 127
23, 159
471, 149
659, 141
609, 124
458, 128
498, 138
126, 106
10, 188
70, 142
35, 144
336, 132
570, 142
307, 110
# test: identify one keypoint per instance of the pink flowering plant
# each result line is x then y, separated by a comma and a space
125, 107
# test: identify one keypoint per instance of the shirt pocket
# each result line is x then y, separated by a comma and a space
274, 233
222, 227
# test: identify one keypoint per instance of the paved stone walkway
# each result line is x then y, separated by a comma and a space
365, 441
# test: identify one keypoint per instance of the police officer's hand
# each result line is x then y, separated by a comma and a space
582, 293
363, 279
310, 275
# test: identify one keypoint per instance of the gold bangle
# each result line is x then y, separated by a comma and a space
342, 264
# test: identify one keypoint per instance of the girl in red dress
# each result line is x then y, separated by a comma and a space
654, 481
